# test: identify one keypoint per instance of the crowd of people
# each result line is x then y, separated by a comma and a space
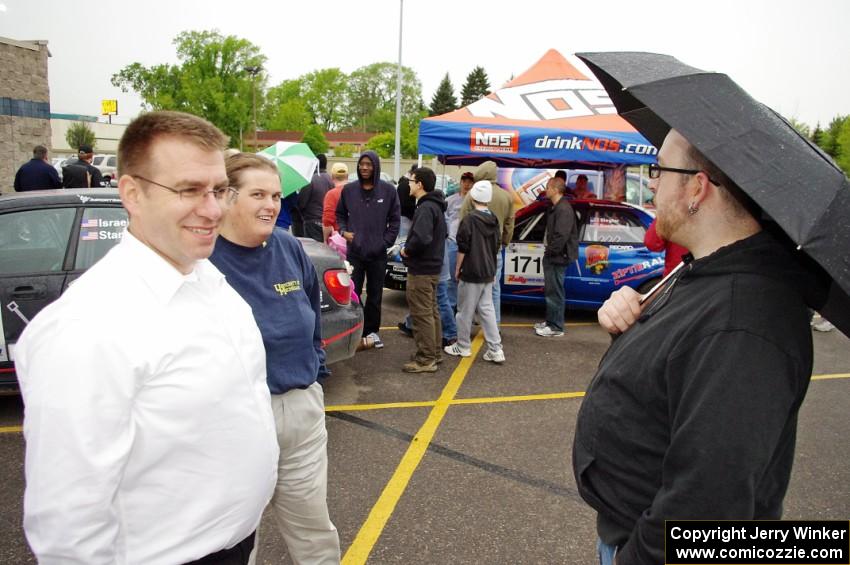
162, 439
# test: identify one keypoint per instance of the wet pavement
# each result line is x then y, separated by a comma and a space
472, 464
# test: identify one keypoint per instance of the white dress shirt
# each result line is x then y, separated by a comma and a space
149, 433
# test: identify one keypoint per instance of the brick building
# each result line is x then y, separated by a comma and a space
24, 104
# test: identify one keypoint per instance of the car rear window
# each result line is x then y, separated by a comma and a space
34, 241
100, 230
612, 226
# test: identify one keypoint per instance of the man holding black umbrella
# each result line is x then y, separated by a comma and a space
693, 411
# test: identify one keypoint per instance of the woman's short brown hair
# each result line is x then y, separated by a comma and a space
238, 163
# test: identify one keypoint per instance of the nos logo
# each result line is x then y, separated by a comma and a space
494, 140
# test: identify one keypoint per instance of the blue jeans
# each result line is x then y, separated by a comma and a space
451, 253
606, 552
447, 315
497, 287
553, 283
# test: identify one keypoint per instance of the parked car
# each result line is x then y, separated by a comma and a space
108, 167
49, 238
611, 254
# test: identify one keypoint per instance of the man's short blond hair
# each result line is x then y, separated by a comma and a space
134, 149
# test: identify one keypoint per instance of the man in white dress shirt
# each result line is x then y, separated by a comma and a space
149, 433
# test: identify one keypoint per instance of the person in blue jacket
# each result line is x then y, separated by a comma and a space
268, 267
369, 216
37, 173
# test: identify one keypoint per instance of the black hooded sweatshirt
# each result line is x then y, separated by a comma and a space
373, 215
426, 242
692, 413
478, 238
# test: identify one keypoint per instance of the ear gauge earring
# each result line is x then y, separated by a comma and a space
692, 209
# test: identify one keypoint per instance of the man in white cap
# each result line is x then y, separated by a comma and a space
478, 242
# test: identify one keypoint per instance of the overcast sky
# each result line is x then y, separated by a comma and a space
791, 55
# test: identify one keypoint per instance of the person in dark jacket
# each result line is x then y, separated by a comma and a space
368, 218
561, 242
81, 173
37, 173
423, 253
311, 198
269, 268
693, 411
478, 244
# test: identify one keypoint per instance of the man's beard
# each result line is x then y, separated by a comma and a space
668, 222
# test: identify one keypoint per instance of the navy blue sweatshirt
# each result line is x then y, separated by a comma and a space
373, 215
280, 284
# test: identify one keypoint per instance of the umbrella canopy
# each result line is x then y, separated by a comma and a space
295, 162
790, 178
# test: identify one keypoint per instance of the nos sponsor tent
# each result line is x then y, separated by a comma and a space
555, 114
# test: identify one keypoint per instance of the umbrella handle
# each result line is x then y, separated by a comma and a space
660, 284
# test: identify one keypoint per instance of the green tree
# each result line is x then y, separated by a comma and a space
477, 86
444, 100
210, 80
383, 144
324, 93
315, 139
802, 128
842, 142
817, 134
286, 92
292, 115
79, 134
372, 93
344, 150
829, 138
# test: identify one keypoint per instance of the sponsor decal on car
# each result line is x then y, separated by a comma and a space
596, 258
636, 270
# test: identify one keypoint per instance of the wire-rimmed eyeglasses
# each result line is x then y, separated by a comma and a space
194, 193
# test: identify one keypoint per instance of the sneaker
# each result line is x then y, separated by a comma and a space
823, 326
405, 330
376, 340
495, 356
546, 331
540, 325
414, 367
457, 350
449, 341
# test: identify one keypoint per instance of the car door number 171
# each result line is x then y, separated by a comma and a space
521, 264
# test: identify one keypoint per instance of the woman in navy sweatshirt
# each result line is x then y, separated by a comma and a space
270, 270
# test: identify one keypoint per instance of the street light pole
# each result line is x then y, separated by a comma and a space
254, 70
397, 167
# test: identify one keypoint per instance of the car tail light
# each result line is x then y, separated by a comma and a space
339, 285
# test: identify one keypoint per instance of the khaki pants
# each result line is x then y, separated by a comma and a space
425, 314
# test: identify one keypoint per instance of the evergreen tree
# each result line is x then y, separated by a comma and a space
477, 86
817, 134
444, 100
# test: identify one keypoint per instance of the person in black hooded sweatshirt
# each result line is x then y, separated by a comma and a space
423, 253
368, 218
693, 410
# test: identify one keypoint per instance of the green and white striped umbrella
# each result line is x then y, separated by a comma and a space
295, 162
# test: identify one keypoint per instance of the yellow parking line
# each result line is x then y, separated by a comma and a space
833, 376
369, 533
523, 398
359, 407
11, 429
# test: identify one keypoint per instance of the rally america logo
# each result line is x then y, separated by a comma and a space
494, 140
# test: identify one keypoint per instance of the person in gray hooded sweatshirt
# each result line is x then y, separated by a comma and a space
502, 206
368, 216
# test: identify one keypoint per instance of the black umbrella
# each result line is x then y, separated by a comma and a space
791, 179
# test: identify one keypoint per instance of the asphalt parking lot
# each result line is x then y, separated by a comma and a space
472, 464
